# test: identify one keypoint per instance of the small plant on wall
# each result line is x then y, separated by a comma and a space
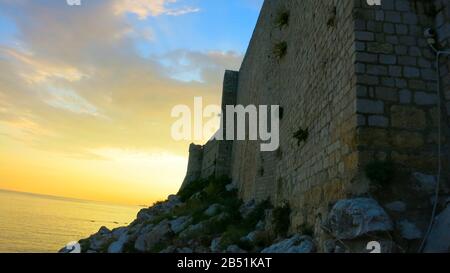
333, 16
279, 50
282, 19
301, 135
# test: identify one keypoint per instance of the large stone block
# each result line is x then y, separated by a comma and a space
370, 106
374, 137
408, 117
353, 218
407, 140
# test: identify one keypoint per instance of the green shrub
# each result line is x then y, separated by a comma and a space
191, 189
216, 188
282, 19
213, 191
216, 226
333, 16
301, 135
279, 50
231, 207
263, 239
237, 227
282, 219
199, 215
233, 235
257, 214
380, 173
229, 224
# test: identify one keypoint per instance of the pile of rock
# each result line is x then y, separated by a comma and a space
348, 219
348, 225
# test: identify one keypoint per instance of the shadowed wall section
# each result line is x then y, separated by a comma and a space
361, 80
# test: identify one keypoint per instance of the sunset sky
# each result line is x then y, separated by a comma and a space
86, 92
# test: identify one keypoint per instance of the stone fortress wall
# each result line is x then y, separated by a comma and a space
361, 79
214, 158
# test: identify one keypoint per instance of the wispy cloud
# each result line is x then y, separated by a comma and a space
69, 100
33, 70
86, 78
182, 11
75, 87
146, 8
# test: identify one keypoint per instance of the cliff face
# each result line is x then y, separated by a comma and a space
361, 80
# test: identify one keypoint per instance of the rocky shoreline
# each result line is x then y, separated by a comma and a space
208, 217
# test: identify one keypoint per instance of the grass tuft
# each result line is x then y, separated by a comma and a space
301, 135
280, 50
282, 19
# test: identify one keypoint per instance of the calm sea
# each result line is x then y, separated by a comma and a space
38, 223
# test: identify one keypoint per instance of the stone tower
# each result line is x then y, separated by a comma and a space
214, 158
194, 169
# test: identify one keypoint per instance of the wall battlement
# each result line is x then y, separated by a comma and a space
362, 80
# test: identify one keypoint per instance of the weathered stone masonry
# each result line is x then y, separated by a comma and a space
214, 158
361, 78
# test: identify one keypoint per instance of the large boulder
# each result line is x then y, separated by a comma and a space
179, 224
165, 207
215, 245
213, 210
121, 236
117, 246
192, 231
118, 232
145, 215
147, 241
252, 236
100, 240
159, 208
439, 238
295, 244
352, 218
247, 208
